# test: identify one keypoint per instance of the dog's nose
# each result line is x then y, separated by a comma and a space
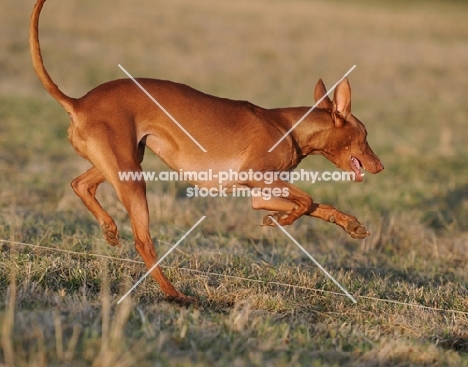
379, 166
374, 165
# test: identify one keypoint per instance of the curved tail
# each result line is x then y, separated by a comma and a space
38, 64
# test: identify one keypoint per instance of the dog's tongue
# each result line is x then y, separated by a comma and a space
356, 166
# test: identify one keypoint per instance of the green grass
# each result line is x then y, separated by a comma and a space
262, 302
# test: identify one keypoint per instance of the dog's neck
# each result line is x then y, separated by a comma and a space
306, 135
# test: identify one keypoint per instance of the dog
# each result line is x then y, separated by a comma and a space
113, 124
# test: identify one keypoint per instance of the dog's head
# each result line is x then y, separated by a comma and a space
345, 144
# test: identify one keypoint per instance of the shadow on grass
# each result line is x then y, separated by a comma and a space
449, 210
455, 340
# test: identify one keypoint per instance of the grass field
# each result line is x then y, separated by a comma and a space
262, 302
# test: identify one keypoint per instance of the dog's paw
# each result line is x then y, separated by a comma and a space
278, 217
267, 221
357, 230
111, 234
182, 300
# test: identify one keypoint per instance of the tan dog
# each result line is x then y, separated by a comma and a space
112, 124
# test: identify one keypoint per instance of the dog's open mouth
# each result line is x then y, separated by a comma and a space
356, 166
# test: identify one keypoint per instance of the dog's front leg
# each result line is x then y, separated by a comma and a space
286, 209
348, 222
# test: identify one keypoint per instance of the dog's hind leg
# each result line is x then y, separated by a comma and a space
85, 187
112, 157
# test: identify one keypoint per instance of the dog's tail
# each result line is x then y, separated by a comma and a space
38, 64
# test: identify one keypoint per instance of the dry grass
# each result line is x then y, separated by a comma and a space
257, 306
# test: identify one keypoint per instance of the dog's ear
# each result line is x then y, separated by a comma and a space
320, 91
341, 103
